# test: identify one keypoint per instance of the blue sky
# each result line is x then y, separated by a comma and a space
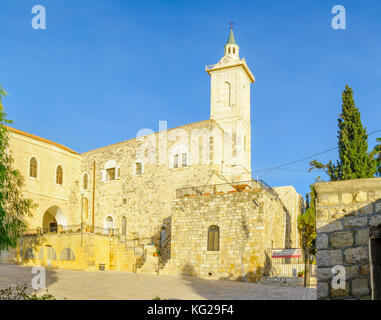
102, 70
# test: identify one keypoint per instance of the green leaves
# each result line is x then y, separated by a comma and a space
307, 222
13, 205
355, 161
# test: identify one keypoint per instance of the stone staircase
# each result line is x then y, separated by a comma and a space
151, 264
144, 261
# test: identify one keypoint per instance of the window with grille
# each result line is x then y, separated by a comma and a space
139, 168
176, 161
185, 159
67, 255
59, 175
33, 168
213, 238
110, 174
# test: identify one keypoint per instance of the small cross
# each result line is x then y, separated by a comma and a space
231, 25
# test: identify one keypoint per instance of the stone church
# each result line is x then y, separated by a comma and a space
180, 200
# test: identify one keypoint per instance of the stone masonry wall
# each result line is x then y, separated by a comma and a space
344, 212
249, 222
144, 200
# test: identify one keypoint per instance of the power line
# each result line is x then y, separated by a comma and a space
304, 159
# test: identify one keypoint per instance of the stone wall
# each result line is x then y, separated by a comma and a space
249, 222
344, 212
145, 200
43, 190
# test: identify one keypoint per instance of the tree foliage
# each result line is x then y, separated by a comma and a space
377, 152
355, 161
13, 205
307, 222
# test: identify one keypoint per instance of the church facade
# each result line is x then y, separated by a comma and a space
180, 200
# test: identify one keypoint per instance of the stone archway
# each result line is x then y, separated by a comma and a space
53, 217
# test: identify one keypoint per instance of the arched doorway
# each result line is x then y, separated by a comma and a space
53, 217
108, 224
162, 235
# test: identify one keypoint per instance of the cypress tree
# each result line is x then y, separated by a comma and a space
355, 161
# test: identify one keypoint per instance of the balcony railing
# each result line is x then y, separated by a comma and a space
72, 229
241, 186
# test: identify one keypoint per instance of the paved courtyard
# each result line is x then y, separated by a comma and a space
125, 285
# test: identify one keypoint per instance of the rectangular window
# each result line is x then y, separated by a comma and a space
110, 174
138, 168
185, 159
176, 161
214, 238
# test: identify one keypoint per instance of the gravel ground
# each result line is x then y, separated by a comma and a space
125, 285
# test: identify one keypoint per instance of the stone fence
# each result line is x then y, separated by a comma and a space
345, 210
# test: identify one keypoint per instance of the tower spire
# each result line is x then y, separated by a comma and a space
231, 39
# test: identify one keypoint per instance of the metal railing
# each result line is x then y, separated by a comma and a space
240, 186
72, 229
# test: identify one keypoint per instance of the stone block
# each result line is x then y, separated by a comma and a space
346, 198
330, 227
328, 258
341, 239
331, 200
377, 207
361, 196
355, 222
365, 270
340, 293
362, 237
368, 209
375, 220
360, 287
322, 241
322, 290
356, 255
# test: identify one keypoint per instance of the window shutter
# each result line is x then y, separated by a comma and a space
103, 175
117, 173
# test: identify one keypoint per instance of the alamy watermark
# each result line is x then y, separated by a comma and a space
339, 20
39, 20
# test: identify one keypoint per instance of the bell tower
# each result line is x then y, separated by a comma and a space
230, 103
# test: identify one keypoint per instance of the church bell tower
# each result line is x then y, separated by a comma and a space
230, 104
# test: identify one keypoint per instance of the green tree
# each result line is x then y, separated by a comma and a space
307, 222
355, 161
13, 205
377, 153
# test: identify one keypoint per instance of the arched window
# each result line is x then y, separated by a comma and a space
50, 253
67, 255
124, 225
229, 50
234, 50
227, 94
213, 238
59, 175
85, 181
33, 168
